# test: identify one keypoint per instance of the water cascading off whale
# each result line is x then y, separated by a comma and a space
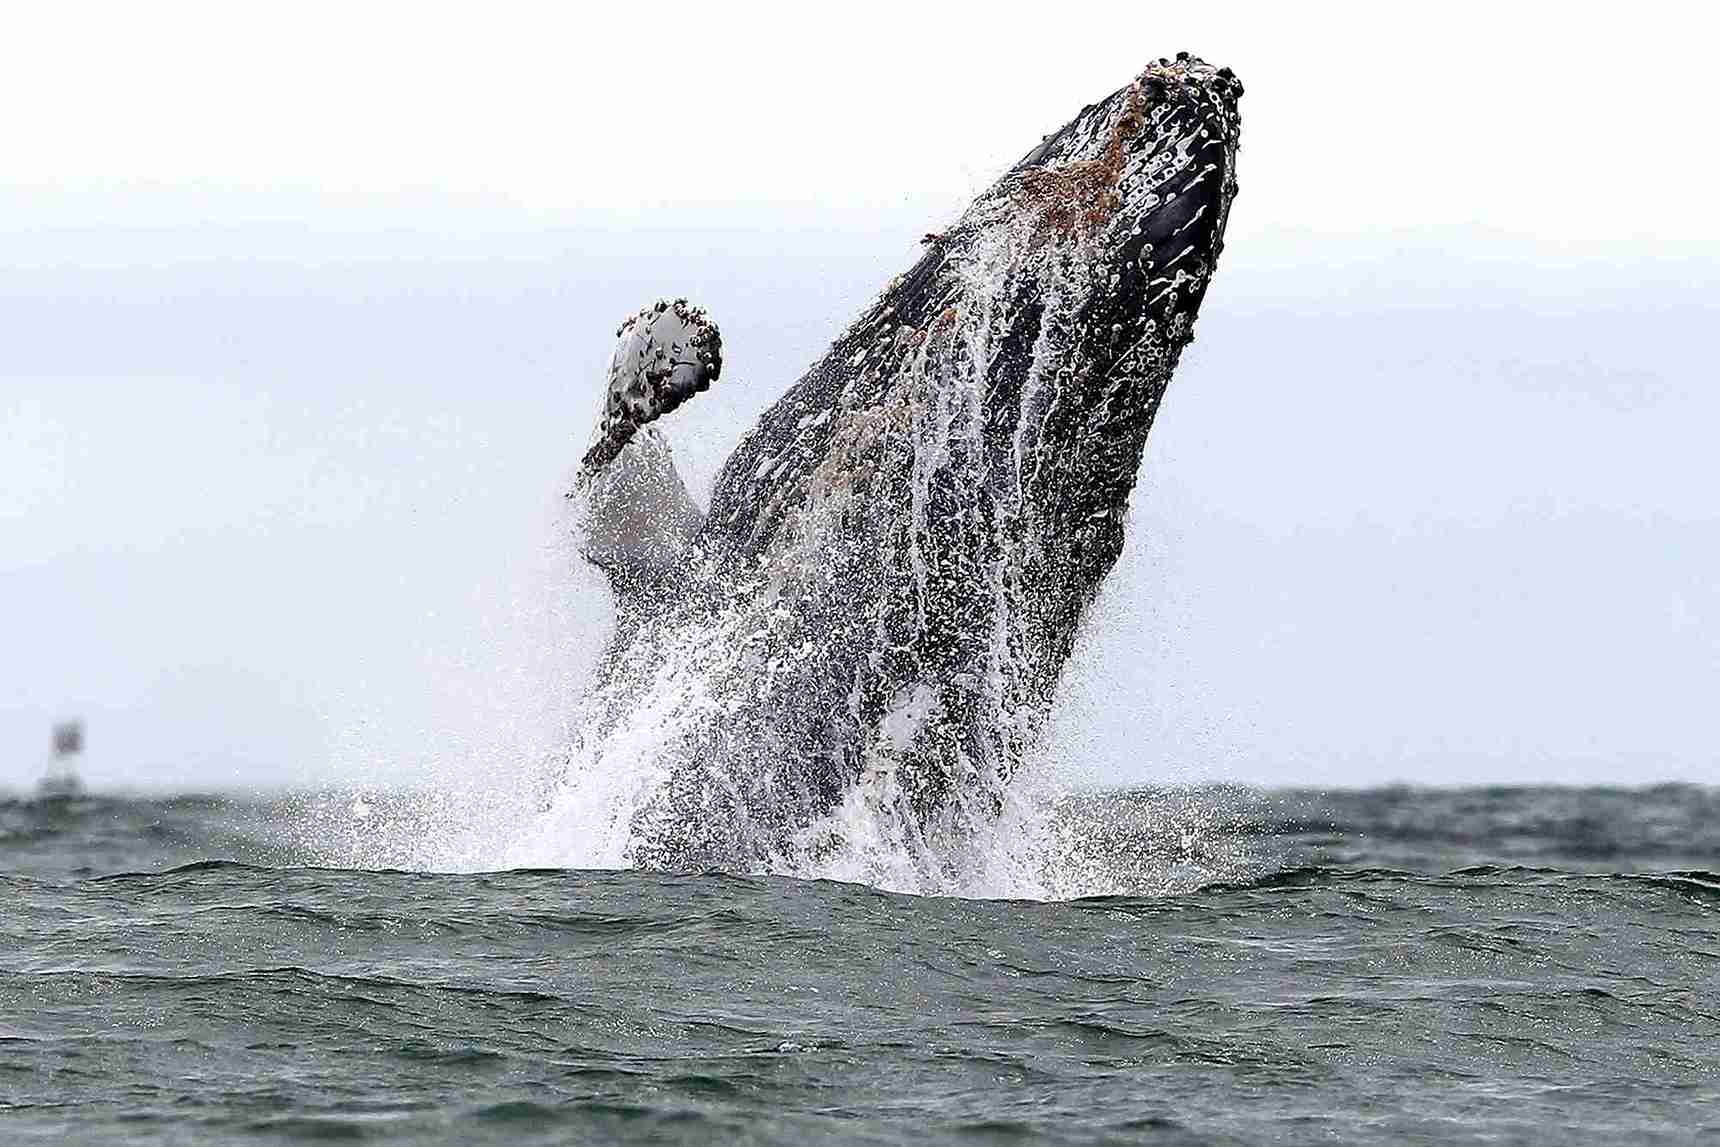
893, 570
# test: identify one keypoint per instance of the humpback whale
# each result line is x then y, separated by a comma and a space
875, 609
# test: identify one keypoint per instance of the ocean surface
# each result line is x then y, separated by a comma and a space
1484, 965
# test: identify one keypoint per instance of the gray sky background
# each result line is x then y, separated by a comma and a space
303, 322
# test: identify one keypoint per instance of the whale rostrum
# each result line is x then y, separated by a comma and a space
873, 616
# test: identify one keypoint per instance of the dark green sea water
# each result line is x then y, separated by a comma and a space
1510, 965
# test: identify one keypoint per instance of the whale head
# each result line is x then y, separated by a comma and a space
1092, 257
1023, 358
1120, 215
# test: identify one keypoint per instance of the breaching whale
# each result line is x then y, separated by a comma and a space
875, 610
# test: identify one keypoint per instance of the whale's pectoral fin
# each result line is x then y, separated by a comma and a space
634, 517
667, 353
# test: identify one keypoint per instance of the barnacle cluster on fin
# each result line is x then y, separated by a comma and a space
666, 353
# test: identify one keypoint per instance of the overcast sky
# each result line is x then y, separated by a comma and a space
304, 313
1565, 122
